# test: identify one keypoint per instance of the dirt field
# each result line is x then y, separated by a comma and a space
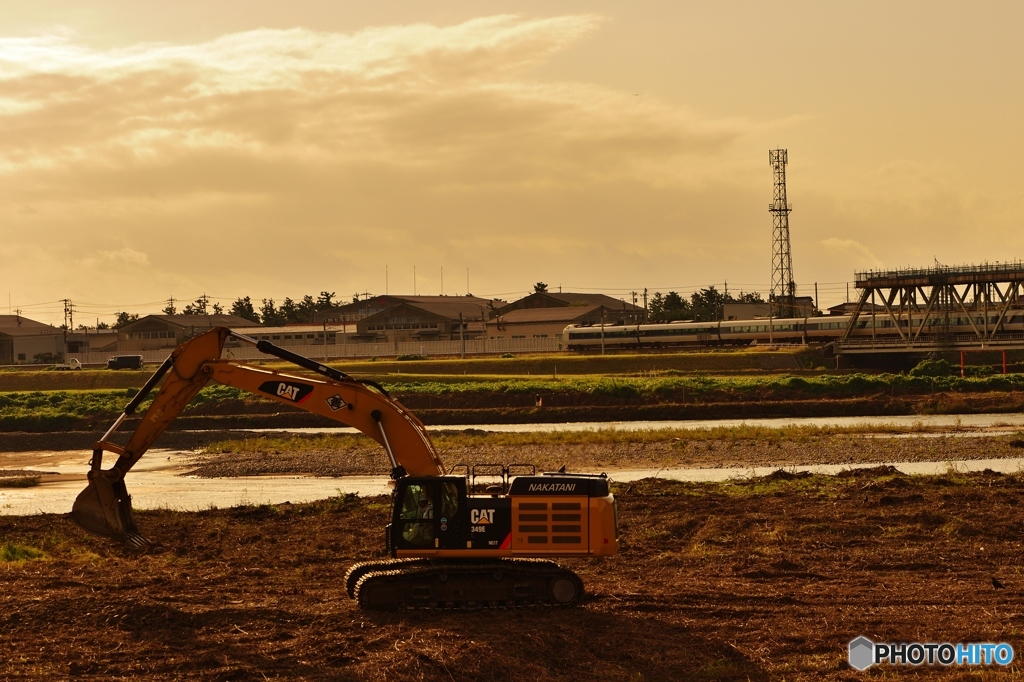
767, 579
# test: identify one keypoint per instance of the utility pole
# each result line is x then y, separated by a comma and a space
69, 313
462, 337
645, 304
69, 322
483, 323
602, 330
783, 290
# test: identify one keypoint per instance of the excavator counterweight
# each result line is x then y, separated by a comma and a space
450, 545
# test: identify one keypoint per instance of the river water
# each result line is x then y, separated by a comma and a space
157, 481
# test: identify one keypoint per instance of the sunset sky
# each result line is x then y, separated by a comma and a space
275, 149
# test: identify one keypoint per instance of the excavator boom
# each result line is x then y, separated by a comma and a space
104, 507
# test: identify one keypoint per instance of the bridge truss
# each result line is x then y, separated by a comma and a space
934, 309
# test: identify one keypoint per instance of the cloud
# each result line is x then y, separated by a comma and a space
121, 258
409, 96
851, 252
272, 162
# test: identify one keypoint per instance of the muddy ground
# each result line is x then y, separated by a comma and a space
265, 456
766, 579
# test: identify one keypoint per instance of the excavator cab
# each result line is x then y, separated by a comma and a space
429, 513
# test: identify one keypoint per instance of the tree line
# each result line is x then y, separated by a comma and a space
268, 313
706, 305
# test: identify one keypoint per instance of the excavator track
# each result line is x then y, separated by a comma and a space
501, 583
357, 571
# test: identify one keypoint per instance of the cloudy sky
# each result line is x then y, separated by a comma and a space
270, 149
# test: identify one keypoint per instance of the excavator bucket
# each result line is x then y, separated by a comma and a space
104, 508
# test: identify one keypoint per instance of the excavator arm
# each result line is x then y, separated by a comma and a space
104, 507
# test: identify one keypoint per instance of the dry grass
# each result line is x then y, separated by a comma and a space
471, 437
20, 482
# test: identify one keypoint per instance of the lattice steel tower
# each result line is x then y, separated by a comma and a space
783, 293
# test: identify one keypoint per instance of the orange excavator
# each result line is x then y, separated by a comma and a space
450, 545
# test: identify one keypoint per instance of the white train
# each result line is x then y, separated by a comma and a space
783, 330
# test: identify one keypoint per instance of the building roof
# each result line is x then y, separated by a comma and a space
451, 306
389, 300
846, 308
448, 307
592, 299
16, 325
186, 321
565, 314
548, 299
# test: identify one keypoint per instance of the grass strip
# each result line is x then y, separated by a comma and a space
48, 408
470, 437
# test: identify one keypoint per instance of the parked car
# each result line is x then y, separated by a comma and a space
125, 362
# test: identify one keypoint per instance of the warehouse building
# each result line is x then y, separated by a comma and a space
294, 335
26, 342
153, 332
617, 311
470, 306
426, 318
545, 315
542, 323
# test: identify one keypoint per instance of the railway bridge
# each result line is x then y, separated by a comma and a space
959, 308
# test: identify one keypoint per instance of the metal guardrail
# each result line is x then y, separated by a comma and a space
1010, 267
958, 341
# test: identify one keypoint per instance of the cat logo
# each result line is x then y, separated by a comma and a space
479, 517
288, 390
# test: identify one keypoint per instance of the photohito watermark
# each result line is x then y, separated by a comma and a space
864, 653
